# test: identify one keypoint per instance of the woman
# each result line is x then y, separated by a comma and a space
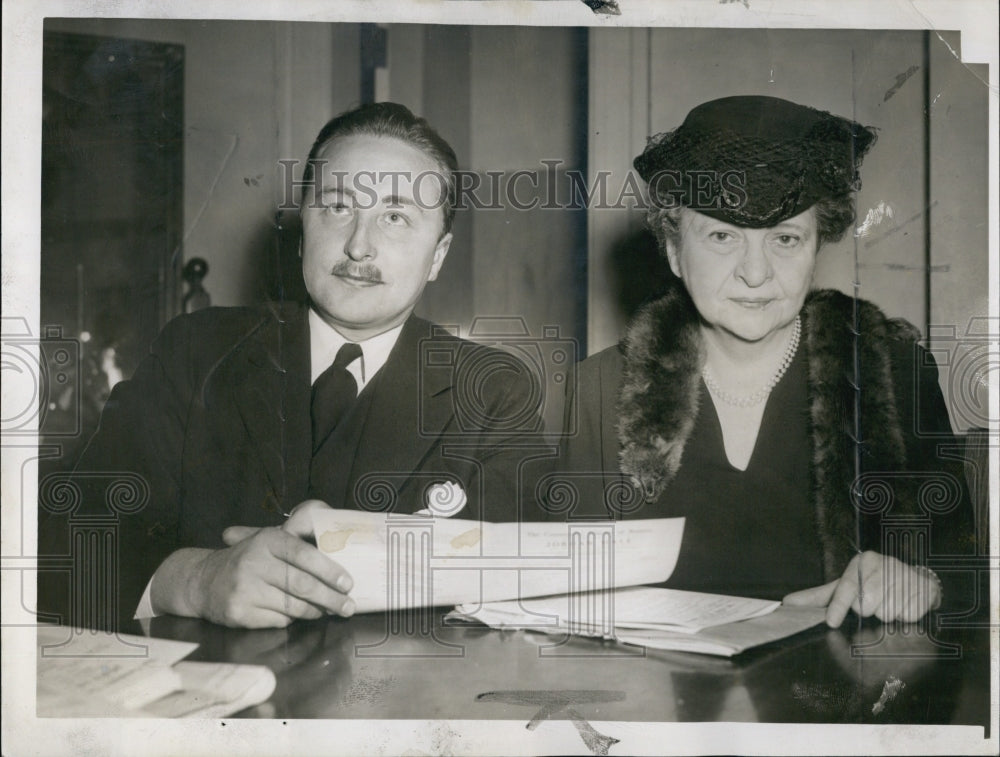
751, 405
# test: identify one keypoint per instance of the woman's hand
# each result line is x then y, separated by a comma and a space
874, 584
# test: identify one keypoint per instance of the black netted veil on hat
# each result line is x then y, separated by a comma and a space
754, 161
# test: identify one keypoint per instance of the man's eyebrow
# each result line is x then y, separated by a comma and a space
393, 200
337, 189
389, 201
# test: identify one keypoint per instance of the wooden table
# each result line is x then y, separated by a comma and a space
361, 669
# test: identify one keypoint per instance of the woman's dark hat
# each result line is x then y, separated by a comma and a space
754, 161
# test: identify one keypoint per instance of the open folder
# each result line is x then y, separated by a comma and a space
655, 618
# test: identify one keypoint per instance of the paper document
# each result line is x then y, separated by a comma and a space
214, 690
651, 617
638, 607
83, 673
62, 641
732, 638
402, 561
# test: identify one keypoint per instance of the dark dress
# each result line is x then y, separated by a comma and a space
747, 532
735, 520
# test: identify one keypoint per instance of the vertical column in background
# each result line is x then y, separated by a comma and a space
446, 62
619, 105
959, 234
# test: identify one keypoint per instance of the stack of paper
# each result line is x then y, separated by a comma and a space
406, 561
654, 618
83, 673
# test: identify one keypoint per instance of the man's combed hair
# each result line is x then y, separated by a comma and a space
393, 120
834, 216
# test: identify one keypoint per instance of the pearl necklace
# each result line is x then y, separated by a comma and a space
761, 394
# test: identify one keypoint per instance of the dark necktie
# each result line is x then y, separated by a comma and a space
333, 393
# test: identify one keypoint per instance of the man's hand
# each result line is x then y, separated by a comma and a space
874, 584
299, 523
270, 579
265, 578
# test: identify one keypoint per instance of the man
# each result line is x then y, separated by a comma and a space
238, 415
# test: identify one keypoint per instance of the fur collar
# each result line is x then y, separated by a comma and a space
658, 402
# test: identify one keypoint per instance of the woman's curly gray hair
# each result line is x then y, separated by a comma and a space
834, 216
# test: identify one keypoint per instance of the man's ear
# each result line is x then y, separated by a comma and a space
440, 253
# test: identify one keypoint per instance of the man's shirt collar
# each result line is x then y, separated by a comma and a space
325, 341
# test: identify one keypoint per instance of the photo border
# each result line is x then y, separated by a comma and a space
21, 100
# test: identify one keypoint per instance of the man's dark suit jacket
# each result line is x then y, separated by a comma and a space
217, 421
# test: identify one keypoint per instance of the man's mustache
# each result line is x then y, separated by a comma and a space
367, 272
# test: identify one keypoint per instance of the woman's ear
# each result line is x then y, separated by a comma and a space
670, 249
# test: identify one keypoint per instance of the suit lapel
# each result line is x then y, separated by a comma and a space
271, 387
410, 408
